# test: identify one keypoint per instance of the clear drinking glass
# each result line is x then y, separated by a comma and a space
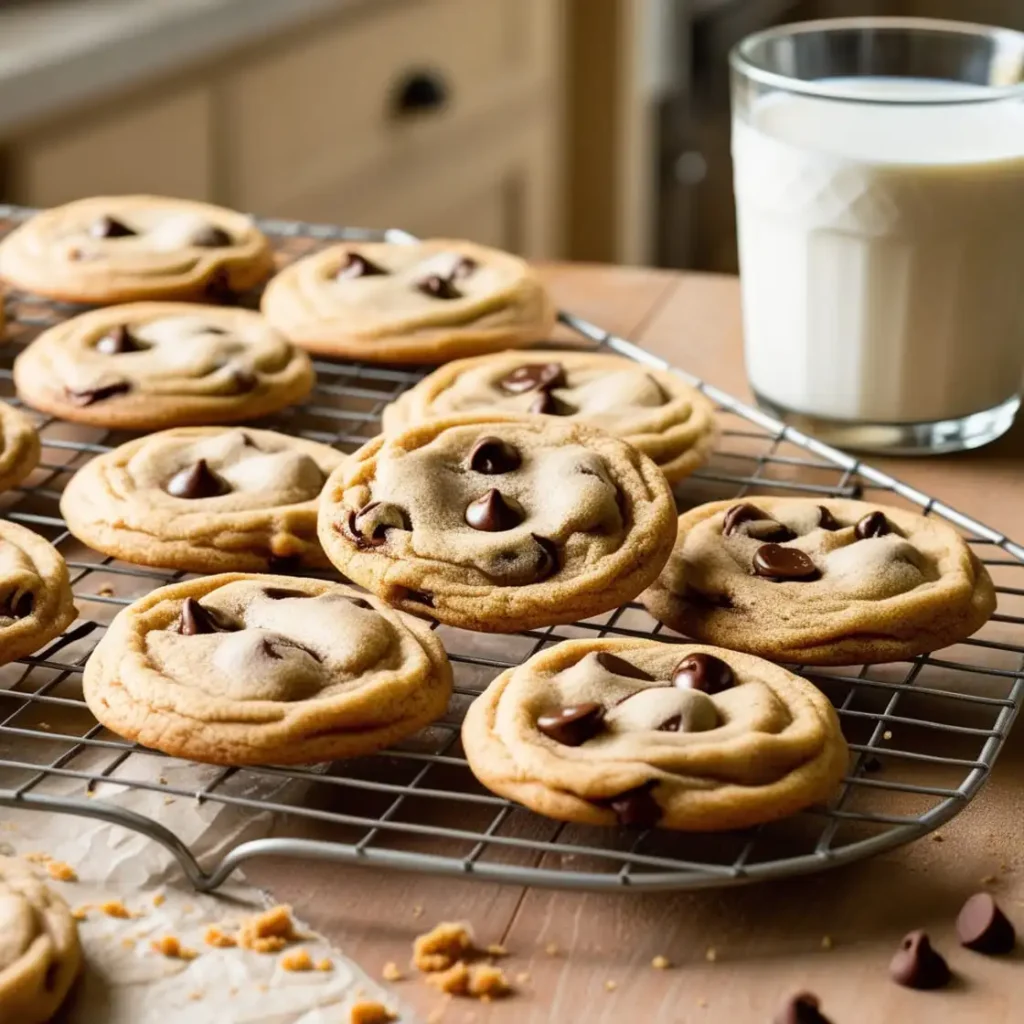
879, 179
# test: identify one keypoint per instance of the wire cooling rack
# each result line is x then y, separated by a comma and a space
923, 734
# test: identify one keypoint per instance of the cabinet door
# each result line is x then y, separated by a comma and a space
155, 145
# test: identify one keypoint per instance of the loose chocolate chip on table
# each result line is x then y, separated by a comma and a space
636, 808
775, 562
18, 606
983, 927
283, 593
90, 396
533, 376
109, 227
494, 512
197, 481
572, 725
438, 287
917, 965
464, 268
546, 404
620, 667
196, 619
119, 340
705, 672
826, 520
874, 524
548, 562
491, 455
737, 515
211, 237
355, 266
801, 1008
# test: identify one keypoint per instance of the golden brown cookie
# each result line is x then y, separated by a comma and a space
654, 410
39, 950
204, 499
112, 249
425, 302
821, 582
147, 365
641, 733
19, 447
499, 524
36, 604
244, 669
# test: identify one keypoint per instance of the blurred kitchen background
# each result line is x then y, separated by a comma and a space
582, 129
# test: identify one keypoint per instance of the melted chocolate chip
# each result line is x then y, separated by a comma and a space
357, 265
120, 340
211, 237
360, 603
197, 481
196, 619
916, 965
420, 597
494, 512
548, 561
271, 647
737, 515
775, 562
620, 667
636, 808
491, 455
572, 725
533, 376
109, 227
369, 526
546, 404
705, 672
826, 520
218, 289
874, 524
983, 927
671, 724
90, 396
438, 287
283, 593
802, 1008
243, 381
464, 268
18, 606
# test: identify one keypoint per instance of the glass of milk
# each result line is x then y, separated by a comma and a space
879, 178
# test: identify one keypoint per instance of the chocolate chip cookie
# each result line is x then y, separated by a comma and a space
148, 365
655, 411
641, 733
112, 249
40, 953
499, 524
204, 499
19, 447
422, 303
827, 582
248, 669
35, 592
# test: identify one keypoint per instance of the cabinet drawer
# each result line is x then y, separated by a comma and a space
325, 105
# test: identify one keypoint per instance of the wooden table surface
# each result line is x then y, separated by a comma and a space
768, 938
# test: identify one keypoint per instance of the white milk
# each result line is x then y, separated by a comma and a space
882, 253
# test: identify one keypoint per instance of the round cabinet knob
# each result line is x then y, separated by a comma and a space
419, 92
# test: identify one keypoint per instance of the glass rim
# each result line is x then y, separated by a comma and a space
741, 61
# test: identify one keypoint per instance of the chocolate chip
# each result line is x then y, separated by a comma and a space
119, 340
491, 455
357, 265
802, 1008
533, 376
110, 227
620, 667
438, 287
283, 593
572, 725
548, 561
360, 603
211, 237
494, 512
18, 606
420, 597
704, 672
243, 381
546, 404
983, 927
698, 597
369, 526
778, 563
464, 268
737, 515
671, 724
218, 288
826, 520
874, 524
917, 965
197, 481
90, 396
636, 808
271, 648
196, 619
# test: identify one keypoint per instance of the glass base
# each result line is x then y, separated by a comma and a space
936, 438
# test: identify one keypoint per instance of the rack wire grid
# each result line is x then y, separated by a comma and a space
923, 734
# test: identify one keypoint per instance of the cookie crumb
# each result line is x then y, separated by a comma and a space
660, 963
37, 857
162, 780
390, 972
195, 996
826, 942
610, 986
417, 911
439, 948
989, 880
938, 838
711, 954
488, 982
370, 1013
268, 932
115, 908
453, 982
297, 960
45, 726
61, 872
523, 978
552, 949
496, 949
105, 592
128, 943
325, 965
887, 735
82, 912
170, 946
218, 939
159, 899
